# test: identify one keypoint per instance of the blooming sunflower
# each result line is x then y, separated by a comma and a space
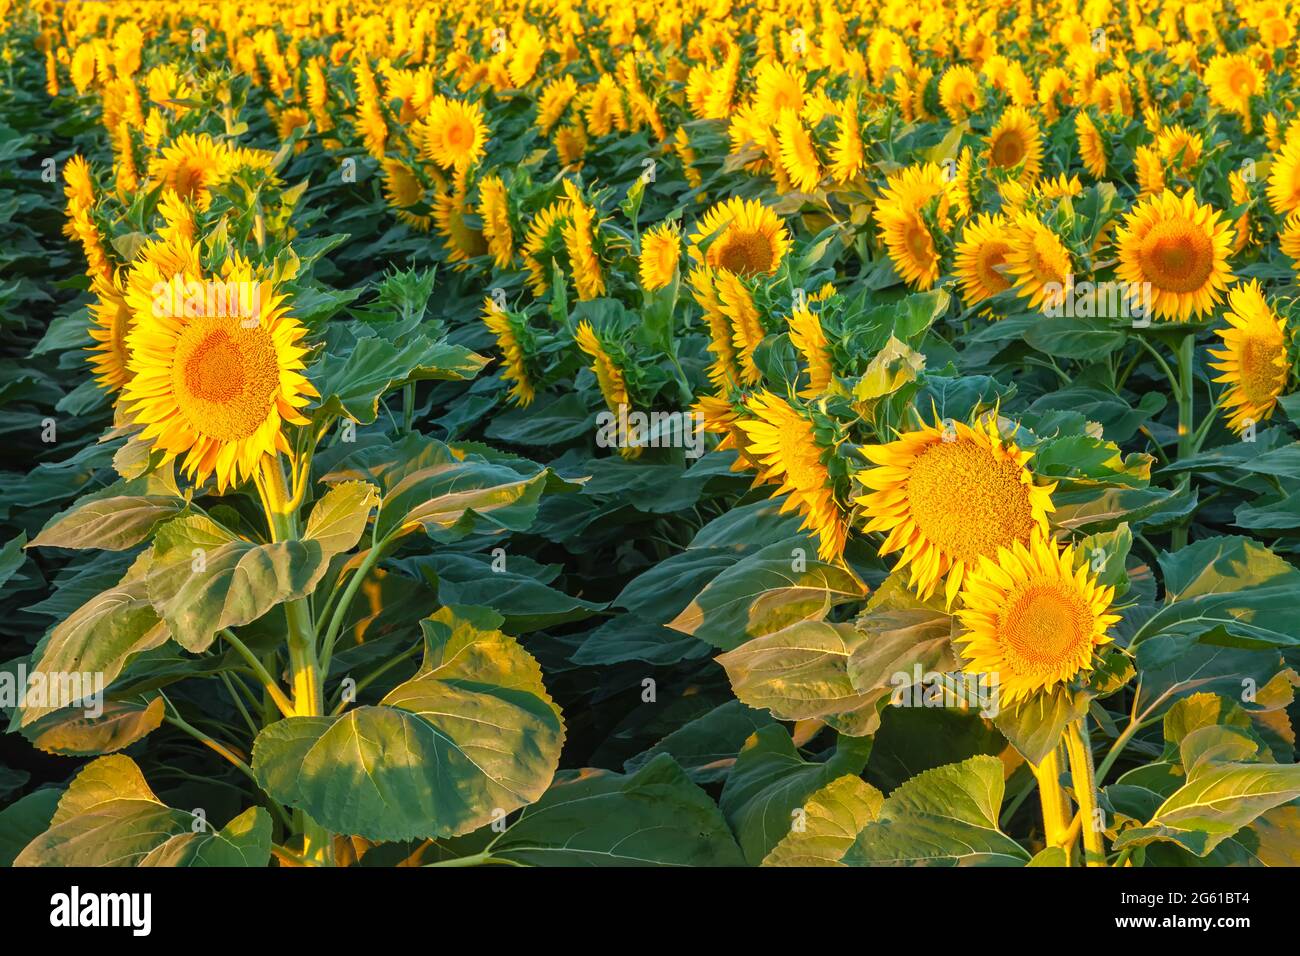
1284, 180
848, 154
784, 441
213, 387
1016, 140
959, 92
799, 156
661, 247
903, 228
742, 236
1254, 357
808, 336
1233, 79
191, 166
612, 382
1031, 618
110, 323
1092, 149
514, 367
1181, 249
455, 134
494, 209
587, 276
403, 190
949, 495
1037, 260
981, 258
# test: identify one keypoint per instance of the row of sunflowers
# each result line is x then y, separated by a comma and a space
653, 433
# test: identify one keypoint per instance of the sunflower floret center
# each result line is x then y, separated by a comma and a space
226, 377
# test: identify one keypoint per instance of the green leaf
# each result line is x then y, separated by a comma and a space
942, 817
780, 585
1231, 587
204, 578
801, 672
24, 820
425, 484
353, 384
524, 602
771, 781
1034, 726
473, 734
118, 518
71, 733
1050, 856
100, 637
654, 817
834, 816
706, 747
338, 519
108, 816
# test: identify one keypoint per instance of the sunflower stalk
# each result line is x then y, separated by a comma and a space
304, 667
1084, 778
1056, 805
1185, 384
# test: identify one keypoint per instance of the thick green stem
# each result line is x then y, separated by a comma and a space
1056, 805
1084, 778
1186, 388
304, 668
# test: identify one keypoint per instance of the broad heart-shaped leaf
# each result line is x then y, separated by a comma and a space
338, 519
108, 816
947, 816
203, 577
72, 733
114, 519
99, 638
770, 782
764, 592
654, 817
472, 733
801, 672
352, 384
525, 603
24, 820
1232, 587
833, 818
426, 484
706, 747
1217, 800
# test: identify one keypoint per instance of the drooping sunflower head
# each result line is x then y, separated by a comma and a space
402, 191
494, 210
111, 321
1032, 619
512, 340
797, 152
1179, 250
1016, 142
949, 494
1253, 359
981, 258
901, 212
785, 442
216, 367
743, 237
661, 248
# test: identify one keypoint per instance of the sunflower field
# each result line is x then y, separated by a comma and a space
657, 432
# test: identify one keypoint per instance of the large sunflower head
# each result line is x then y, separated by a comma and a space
1092, 148
982, 258
743, 236
455, 134
785, 442
1253, 359
1039, 262
901, 211
191, 166
216, 366
1016, 142
1233, 79
1032, 618
1179, 250
959, 92
949, 494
